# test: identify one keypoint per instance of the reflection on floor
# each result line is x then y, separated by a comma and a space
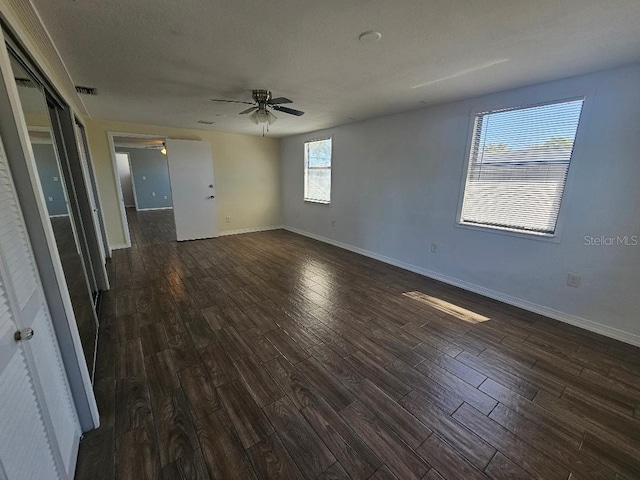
270, 355
151, 227
79, 291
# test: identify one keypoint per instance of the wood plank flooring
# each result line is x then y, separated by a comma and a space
270, 355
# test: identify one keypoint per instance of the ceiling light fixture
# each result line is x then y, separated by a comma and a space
163, 150
370, 36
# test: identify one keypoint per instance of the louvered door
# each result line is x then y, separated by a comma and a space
39, 427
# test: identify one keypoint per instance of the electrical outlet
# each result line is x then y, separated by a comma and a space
573, 280
434, 248
228, 219
165, 197
144, 178
153, 194
51, 199
55, 179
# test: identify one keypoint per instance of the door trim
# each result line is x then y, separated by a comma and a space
116, 178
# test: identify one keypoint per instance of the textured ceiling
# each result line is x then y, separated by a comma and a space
159, 62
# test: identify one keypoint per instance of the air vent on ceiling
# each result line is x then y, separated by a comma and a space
205, 122
25, 82
86, 90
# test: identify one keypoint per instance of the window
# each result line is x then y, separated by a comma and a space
518, 167
317, 171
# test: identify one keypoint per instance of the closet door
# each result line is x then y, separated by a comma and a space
40, 426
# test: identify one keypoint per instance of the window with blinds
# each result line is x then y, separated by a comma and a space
317, 171
518, 167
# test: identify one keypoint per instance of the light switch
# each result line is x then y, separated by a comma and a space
51, 199
55, 179
144, 178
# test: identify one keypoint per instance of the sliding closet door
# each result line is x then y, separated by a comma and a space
57, 190
40, 429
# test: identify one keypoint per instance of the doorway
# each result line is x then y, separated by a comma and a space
142, 173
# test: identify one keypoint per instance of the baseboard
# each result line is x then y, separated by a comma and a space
157, 208
564, 317
249, 230
119, 246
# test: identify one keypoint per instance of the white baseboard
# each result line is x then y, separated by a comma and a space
119, 246
584, 323
249, 230
157, 208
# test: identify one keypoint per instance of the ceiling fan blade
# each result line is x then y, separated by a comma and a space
248, 110
231, 101
279, 101
290, 111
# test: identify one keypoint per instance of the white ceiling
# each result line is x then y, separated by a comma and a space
159, 62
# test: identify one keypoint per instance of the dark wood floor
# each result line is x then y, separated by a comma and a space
270, 355
151, 227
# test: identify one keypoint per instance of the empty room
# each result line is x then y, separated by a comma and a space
319, 240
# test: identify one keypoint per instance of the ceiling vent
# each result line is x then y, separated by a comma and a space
205, 122
86, 90
25, 82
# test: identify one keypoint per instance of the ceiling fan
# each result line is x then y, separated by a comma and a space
262, 104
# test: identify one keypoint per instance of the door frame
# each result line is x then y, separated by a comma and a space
133, 185
116, 178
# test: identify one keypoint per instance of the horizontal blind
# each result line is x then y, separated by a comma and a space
317, 171
518, 166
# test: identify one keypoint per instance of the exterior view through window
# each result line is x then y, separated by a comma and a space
317, 171
518, 165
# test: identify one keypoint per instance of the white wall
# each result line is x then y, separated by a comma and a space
396, 184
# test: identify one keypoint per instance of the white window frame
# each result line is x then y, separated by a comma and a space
306, 168
492, 229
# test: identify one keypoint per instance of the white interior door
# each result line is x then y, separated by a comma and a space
192, 188
39, 425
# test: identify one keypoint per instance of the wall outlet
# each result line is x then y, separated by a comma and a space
153, 194
228, 219
165, 197
55, 179
51, 199
144, 178
573, 280
434, 248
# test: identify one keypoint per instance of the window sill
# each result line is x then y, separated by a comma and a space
553, 238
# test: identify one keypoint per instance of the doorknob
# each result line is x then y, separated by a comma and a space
24, 334
212, 196
211, 186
